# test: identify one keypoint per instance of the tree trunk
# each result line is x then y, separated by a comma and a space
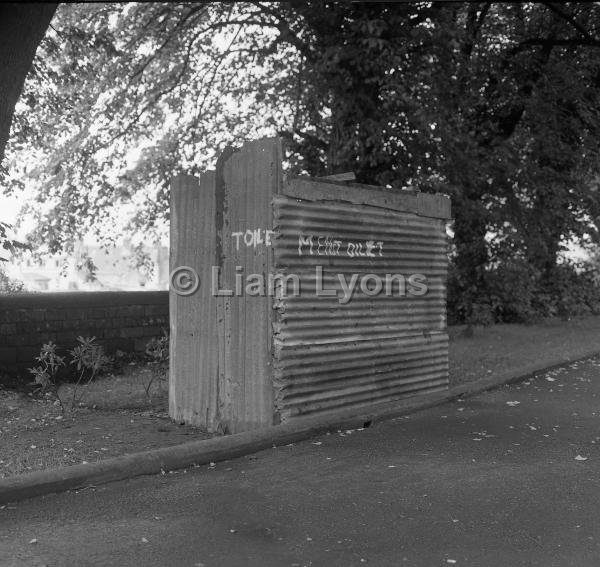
22, 27
470, 228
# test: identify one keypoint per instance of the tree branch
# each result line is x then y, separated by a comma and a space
554, 42
286, 34
569, 19
179, 26
312, 139
474, 26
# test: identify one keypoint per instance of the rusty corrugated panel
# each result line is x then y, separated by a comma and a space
329, 356
221, 345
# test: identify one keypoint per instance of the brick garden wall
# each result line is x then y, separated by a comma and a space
119, 320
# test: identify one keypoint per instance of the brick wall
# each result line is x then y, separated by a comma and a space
119, 320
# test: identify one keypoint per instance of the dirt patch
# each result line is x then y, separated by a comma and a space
116, 418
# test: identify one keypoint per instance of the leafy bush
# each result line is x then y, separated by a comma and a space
577, 289
90, 361
45, 374
466, 303
512, 289
515, 292
87, 357
157, 351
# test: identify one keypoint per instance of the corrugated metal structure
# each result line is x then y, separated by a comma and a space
373, 348
263, 359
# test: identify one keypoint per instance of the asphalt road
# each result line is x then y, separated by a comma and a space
507, 478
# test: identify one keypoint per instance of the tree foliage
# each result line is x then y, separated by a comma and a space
495, 103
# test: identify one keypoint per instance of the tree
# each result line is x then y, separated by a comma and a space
115, 77
494, 103
329, 77
528, 146
22, 27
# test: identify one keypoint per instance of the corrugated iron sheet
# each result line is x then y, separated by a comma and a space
193, 343
330, 356
220, 364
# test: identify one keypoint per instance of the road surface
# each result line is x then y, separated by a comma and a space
507, 478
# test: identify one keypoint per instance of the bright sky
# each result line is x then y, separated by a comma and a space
9, 209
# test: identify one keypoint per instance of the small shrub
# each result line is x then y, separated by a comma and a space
157, 351
90, 360
87, 357
45, 374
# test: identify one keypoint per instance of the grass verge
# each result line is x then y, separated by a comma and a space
518, 349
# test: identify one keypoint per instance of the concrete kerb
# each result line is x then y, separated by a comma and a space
229, 447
